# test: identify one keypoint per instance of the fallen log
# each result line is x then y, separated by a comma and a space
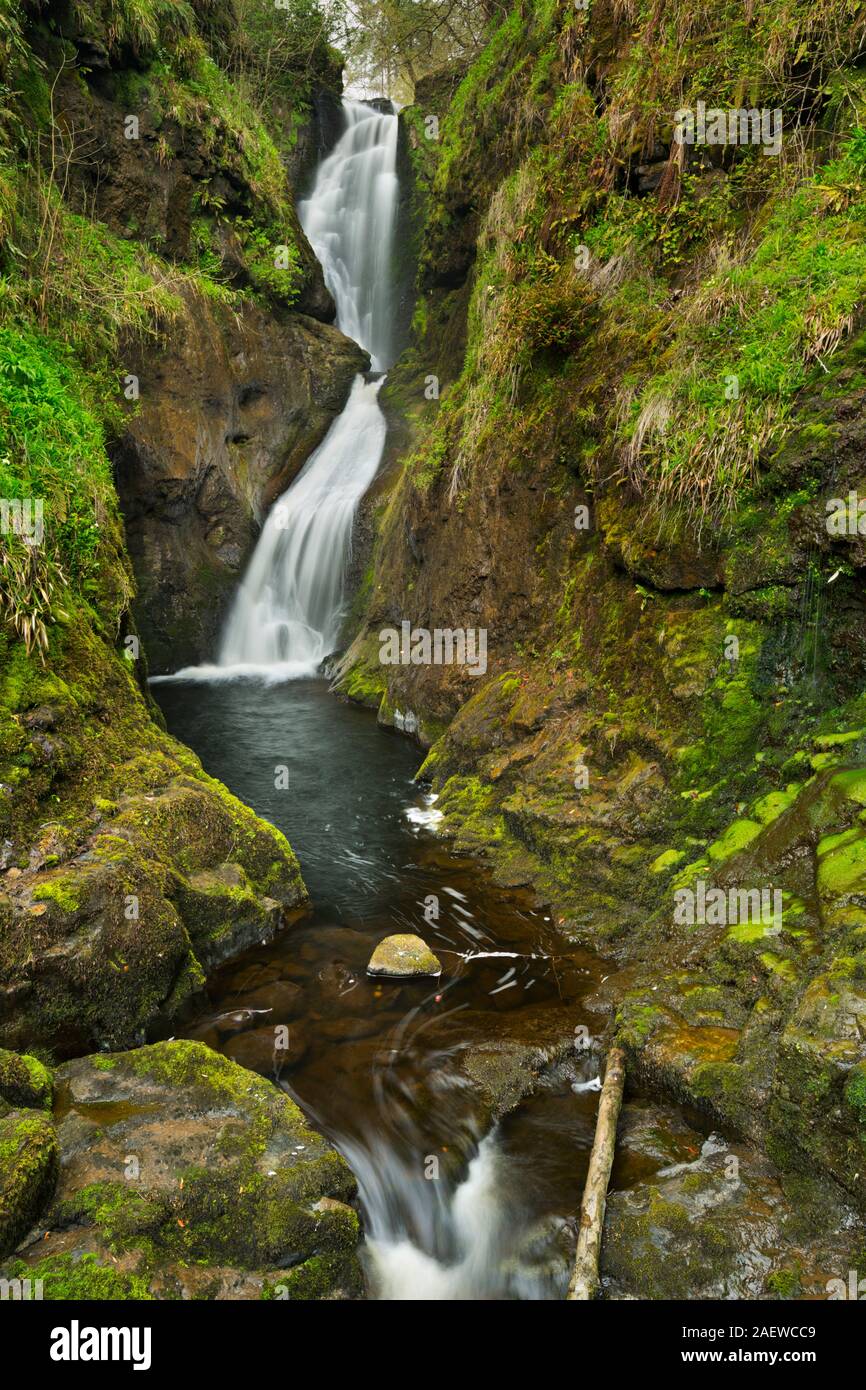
585, 1282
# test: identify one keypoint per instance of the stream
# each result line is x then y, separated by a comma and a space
385, 1067
406, 1077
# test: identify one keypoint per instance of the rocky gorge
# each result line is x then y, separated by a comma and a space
631, 386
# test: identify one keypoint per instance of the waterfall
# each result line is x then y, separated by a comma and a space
287, 615
349, 219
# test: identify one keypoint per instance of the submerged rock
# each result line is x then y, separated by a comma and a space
403, 955
184, 1175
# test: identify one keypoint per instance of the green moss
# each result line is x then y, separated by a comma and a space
70, 1279
636, 1023
64, 890
784, 1283
855, 1093
841, 864
779, 966
735, 838
365, 684
668, 859
28, 1171
317, 1278
192, 1064
25, 1081
470, 808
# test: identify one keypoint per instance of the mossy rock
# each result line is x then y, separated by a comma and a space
723, 1226
25, 1081
404, 955
195, 1177
174, 881
28, 1171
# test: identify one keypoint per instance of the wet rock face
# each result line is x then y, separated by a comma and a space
725, 1225
229, 412
186, 1176
762, 1022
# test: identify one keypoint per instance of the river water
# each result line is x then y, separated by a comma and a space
388, 1069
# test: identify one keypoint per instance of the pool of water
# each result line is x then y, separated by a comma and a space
394, 1072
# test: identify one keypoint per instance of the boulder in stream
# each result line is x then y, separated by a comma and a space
405, 955
183, 1175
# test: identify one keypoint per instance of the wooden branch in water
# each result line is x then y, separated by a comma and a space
585, 1281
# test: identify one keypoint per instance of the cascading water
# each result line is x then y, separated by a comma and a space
349, 219
286, 618
288, 612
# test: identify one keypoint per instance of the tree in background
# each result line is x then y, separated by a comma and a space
391, 44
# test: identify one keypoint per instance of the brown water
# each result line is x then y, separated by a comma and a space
455, 1206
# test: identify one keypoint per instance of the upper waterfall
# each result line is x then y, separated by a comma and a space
349, 219
288, 612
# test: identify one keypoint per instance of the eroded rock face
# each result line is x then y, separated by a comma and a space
150, 186
185, 1176
230, 410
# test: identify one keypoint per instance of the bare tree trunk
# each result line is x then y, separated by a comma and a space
585, 1280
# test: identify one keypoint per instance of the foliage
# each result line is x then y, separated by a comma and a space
392, 44
712, 297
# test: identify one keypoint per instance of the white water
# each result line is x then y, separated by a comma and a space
287, 614
437, 1242
471, 1215
287, 617
349, 219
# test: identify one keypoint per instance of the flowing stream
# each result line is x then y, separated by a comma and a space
393, 1071
398, 1074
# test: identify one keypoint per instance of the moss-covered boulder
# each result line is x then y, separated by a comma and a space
28, 1171
404, 955
186, 1176
148, 893
25, 1081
